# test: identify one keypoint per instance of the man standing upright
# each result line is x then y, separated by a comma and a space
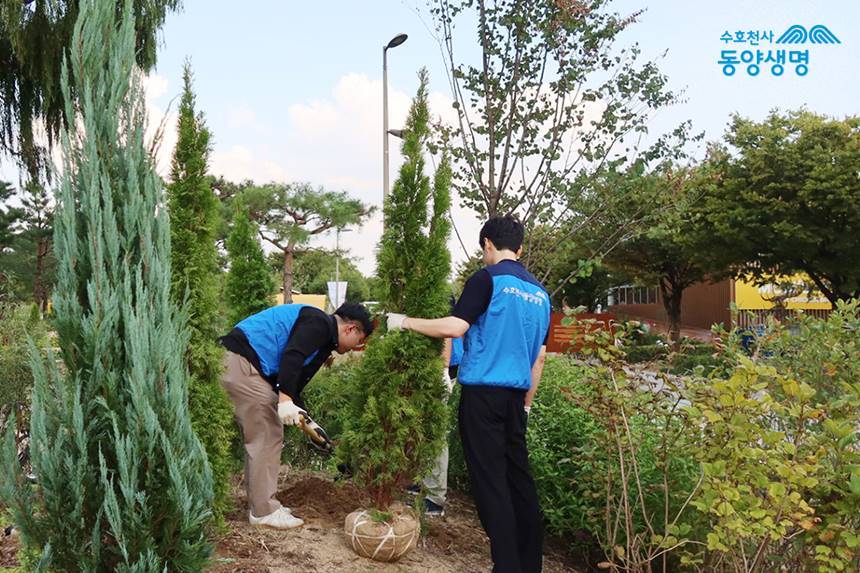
503, 316
270, 358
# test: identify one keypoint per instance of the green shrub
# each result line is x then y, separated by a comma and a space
248, 286
781, 472
562, 448
645, 353
17, 328
330, 399
696, 357
458, 475
776, 436
781, 448
823, 353
699, 364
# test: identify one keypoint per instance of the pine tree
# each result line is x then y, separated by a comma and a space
400, 421
194, 213
249, 285
291, 215
10, 217
123, 481
38, 219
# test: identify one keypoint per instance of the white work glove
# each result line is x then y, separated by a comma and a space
289, 413
449, 384
395, 321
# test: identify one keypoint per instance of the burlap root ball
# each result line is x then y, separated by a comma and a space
382, 541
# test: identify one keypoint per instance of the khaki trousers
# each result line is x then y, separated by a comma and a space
256, 409
436, 482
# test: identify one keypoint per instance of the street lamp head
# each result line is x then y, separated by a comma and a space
396, 41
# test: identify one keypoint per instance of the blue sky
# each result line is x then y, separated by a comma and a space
291, 90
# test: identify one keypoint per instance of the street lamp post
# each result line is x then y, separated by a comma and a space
337, 263
395, 41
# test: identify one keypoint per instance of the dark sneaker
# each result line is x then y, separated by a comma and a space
413, 489
433, 509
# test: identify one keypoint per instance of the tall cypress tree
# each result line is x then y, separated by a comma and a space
123, 481
249, 284
193, 229
401, 419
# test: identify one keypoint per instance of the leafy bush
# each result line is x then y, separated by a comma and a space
640, 342
700, 364
645, 352
781, 480
781, 456
561, 448
696, 357
330, 398
17, 327
639, 469
776, 436
823, 353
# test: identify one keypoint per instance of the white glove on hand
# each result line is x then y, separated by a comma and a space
528, 410
449, 384
395, 321
289, 413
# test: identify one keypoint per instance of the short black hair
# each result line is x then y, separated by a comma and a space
357, 313
505, 233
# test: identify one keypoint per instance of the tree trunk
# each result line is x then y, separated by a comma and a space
671, 295
38, 288
288, 273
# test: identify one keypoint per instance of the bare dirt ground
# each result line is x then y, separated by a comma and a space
453, 543
8, 551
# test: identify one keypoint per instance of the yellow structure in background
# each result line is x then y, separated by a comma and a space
318, 300
748, 296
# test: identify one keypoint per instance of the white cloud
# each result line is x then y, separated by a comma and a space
161, 120
241, 162
154, 86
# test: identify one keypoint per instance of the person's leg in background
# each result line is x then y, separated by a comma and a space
482, 416
436, 482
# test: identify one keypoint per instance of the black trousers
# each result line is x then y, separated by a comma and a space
493, 431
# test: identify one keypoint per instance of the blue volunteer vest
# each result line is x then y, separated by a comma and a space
456, 351
268, 332
501, 347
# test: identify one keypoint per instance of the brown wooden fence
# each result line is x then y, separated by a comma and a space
568, 338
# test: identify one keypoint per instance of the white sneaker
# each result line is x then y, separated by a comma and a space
279, 519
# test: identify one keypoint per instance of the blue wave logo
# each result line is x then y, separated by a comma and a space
794, 35
818, 34
822, 35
